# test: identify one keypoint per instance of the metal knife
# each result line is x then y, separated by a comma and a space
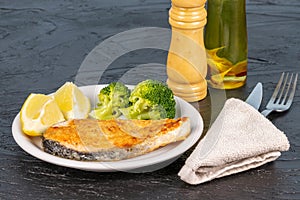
255, 97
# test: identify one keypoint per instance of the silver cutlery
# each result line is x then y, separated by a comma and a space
283, 95
255, 97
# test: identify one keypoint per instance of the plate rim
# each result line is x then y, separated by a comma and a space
123, 165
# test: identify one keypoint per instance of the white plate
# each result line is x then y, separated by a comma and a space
148, 162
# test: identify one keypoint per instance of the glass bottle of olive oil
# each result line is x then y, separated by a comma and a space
226, 43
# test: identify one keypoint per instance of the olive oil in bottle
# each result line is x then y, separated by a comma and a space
226, 43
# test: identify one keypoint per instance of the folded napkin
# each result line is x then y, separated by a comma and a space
239, 139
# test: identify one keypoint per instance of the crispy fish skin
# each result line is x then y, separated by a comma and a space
111, 140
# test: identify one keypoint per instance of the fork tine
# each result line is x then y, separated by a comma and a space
273, 98
288, 89
291, 97
282, 89
281, 106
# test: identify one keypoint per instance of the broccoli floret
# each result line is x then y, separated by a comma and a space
111, 99
151, 99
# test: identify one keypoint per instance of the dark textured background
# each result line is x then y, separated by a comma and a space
42, 46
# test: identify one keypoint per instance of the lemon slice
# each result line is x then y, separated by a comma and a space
39, 112
72, 102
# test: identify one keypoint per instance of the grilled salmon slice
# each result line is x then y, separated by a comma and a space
111, 140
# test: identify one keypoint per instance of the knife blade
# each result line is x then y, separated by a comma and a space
255, 97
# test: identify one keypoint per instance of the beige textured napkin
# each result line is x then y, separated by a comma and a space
239, 139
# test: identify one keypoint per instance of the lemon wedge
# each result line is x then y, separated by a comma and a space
72, 102
39, 112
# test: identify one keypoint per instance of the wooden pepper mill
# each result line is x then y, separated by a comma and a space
186, 64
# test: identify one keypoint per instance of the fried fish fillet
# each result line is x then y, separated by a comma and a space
111, 140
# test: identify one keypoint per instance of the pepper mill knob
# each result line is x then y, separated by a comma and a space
186, 63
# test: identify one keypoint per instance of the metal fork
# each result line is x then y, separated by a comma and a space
283, 95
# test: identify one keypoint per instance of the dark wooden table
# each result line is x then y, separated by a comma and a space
44, 43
